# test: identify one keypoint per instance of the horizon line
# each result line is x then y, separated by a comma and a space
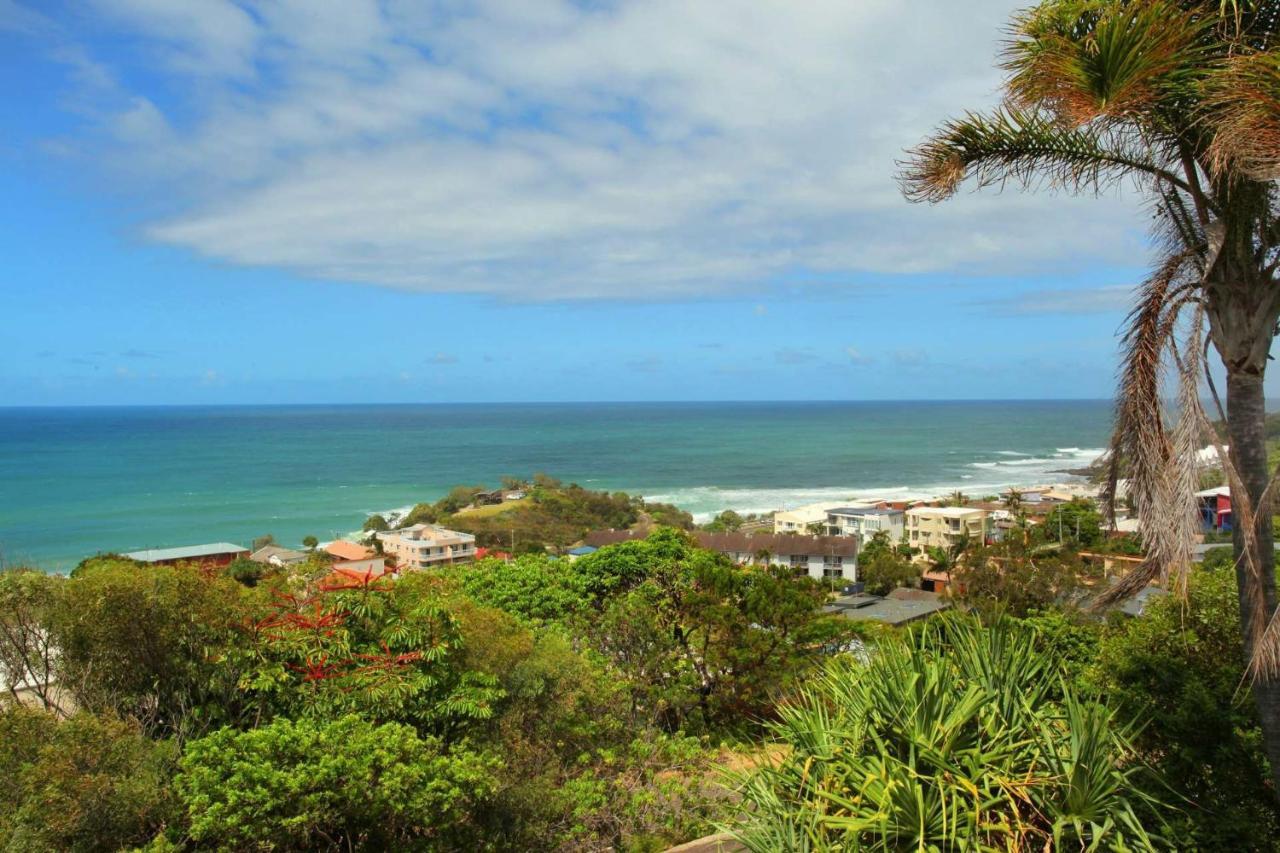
555, 403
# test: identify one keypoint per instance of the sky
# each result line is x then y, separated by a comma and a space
345, 201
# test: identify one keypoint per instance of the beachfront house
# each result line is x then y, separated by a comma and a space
862, 523
426, 546
809, 519
945, 526
214, 554
343, 550
274, 555
830, 558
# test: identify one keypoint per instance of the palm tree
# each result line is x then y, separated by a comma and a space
1182, 99
958, 498
1013, 501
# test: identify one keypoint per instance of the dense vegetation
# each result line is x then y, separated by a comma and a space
551, 516
595, 704
538, 704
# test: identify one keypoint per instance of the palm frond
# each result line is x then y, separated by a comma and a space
1031, 149
1089, 61
1141, 437
1243, 109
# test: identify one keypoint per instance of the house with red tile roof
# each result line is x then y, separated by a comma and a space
344, 550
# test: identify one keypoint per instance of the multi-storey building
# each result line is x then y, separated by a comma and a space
945, 526
862, 523
425, 546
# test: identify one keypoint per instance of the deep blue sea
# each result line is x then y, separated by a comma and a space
77, 481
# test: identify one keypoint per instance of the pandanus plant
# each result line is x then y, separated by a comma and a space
960, 736
1180, 99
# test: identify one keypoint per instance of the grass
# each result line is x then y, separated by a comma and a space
492, 509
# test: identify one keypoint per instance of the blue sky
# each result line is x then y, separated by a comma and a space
289, 201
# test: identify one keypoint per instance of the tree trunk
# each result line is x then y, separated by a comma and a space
1246, 427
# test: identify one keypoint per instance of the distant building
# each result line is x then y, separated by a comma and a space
945, 526
900, 607
1214, 506
214, 554
370, 564
356, 574
819, 557
806, 519
426, 546
274, 555
344, 550
862, 523
581, 551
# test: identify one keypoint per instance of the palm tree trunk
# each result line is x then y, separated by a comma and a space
1246, 427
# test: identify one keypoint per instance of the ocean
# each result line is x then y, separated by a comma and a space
78, 481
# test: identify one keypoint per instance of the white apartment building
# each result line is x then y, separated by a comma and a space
945, 526
809, 519
425, 546
862, 523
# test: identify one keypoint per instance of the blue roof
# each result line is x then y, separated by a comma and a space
582, 550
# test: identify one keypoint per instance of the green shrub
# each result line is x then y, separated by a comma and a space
959, 736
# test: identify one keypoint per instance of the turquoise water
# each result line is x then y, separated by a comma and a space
77, 481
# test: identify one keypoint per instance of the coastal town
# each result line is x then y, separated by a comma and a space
640, 427
823, 541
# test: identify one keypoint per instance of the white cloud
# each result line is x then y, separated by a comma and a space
544, 149
1087, 300
441, 358
856, 356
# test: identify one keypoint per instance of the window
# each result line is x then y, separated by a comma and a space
829, 572
833, 560
799, 561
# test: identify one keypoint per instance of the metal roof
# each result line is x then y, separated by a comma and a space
186, 552
894, 611
864, 510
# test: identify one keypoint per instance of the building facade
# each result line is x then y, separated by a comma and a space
862, 523
807, 520
945, 526
426, 546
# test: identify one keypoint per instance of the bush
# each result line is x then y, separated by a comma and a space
82, 784
329, 786
959, 736
1180, 665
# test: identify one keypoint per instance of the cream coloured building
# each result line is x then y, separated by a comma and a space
945, 526
425, 546
808, 519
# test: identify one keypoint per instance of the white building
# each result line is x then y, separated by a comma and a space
862, 523
808, 519
425, 546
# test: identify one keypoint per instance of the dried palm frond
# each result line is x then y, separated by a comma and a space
1155, 454
1243, 109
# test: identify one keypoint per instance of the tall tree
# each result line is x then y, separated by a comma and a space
1177, 97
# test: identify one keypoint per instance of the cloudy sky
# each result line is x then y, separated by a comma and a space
350, 200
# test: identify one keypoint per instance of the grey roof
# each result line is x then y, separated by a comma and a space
853, 602
186, 552
1137, 604
864, 510
284, 555
898, 611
